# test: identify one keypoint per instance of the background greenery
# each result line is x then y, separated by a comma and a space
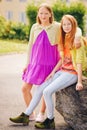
77, 9
11, 30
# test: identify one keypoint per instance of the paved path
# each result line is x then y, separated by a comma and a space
11, 100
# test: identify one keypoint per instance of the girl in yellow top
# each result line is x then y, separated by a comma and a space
71, 70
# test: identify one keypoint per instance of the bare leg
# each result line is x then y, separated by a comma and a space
43, 106
26, 90
27, 95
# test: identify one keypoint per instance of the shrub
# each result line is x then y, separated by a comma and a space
2, 25
31, 12
15, 31
78, 10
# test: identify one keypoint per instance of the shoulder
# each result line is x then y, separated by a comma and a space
56, 26
34, 25
78, 32
78, 29
55, 23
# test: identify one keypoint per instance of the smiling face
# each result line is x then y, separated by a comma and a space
44, 15
66, 25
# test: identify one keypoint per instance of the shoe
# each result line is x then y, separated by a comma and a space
23, 118
40, 117
47, 124
32, 117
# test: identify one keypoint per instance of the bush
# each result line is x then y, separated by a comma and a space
60, 8
15, 31
21, 31
31, 12
2, 25
77, 9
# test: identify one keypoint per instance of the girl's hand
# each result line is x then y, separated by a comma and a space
50, 75
24, 70
79, 86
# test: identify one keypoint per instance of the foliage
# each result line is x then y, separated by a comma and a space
2, 25
10, 30
14, 31
31, 12
59, 9
78, 10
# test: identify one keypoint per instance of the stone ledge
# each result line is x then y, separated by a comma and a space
72, 105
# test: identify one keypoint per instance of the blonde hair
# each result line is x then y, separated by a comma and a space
50, 11
71, 34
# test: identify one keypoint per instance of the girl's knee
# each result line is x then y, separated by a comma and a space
26, 88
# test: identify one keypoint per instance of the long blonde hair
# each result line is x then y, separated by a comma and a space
71, 34
51, 19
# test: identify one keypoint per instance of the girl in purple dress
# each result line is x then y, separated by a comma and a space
42, 52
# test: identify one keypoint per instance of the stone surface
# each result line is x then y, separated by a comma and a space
72, 105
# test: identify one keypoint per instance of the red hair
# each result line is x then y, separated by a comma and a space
71, 34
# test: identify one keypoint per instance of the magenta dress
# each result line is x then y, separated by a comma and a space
43, 59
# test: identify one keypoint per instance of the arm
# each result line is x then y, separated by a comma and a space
79, 65
77, 40
58, 65
31, 39
79, 85
29, 48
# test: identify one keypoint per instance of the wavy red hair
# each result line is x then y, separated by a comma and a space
71, 34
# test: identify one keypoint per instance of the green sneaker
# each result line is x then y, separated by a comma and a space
47, 124
23, 118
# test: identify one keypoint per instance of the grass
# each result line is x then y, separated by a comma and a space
12, 46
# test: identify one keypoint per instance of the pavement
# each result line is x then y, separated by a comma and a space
11, 100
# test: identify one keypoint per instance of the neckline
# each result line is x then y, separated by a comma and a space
45, 27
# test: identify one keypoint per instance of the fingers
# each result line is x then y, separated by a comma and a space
78, 88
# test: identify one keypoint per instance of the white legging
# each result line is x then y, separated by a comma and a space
59, 81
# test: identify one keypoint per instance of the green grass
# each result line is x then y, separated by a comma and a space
9, 46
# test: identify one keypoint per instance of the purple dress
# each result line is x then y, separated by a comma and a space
43, 59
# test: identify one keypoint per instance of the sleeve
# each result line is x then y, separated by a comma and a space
31, 35
30, 44
80, 55
78, 32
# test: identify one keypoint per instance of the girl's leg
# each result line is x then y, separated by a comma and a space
23, 117
27, 95
26, 91
63, 81
41, 116
43, 106
37, 95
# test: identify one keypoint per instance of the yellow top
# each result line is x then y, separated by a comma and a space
79, 56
